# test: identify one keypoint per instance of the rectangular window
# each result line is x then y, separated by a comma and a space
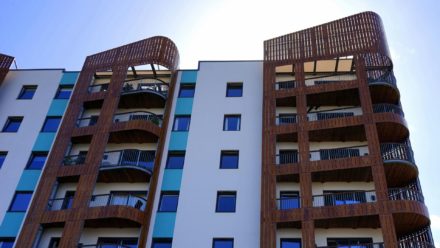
27, 92
51, 124
21, 201
161, 243
290, 243
187, 90
232, 123
226, 201
229, 160
223, 243
168, 201
234, 90
6, 242
36, 161
12, 124
289, 200
64, 92
175, 160
2, 159
181, 123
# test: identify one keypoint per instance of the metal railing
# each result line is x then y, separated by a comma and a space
284, 85
330, 79
285, 119
397, 151
86, 122
388, 108
287, 158
74, 159
286, 203
411, 193
368, 245
98, 88
334, 113
104, 245
336, 153
138, 115
128, 157
144, 85
388, 78
344, 198
59, 203
420, 239
118, 200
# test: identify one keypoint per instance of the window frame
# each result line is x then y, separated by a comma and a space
8, 240
51, 118
168, 193
222, 239
13, 201
32, 156
3, 155
187, 87
234, 85
291, 240
63, 87
12, 119
232, 116
229, 152
224, 194
175, 154
23, 92
176, 117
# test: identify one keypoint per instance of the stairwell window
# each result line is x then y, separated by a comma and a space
21, 201
226, 201
12, 124
51, 124
2, 158
27, 92
223, 243
64, 92
232, 123
181, 123
229, 160
36, 161
168, 201
187, 91
234, 90
175, 160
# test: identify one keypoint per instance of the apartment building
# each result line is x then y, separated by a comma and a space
307, 148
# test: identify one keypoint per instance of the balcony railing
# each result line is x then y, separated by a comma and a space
144, 85
388, 79
287, 203
98, 88
59, 203
420, 239
287, 158
285, 119
130, 158
86, 122
330, 79
118, 200
336, 153
344, 198
284, 85
411, 193
397, 151
105, 245
388, 108
138, 115
334, 113
370, 245
74, 159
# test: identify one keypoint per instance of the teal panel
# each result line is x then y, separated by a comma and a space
11, 224
69, 78
178, 141
188, 77
184, 106
44, 141
28, 180
164, 225
57, 107
172, 179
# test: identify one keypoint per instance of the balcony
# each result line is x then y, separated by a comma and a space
138, 115
118, 199
287, 157
87, 121
420, 239
106, 245
287, 203
285, 85
384, 89
285, 119
59, 203
410, 193
369, 245
98, 88
400, 167
143, 93
337, 153
74, 159
329, 79
388, 108
334, 113
344, 198
135, 127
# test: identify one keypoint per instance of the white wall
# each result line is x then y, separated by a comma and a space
19, 145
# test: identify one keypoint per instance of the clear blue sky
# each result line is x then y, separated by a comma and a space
60, 34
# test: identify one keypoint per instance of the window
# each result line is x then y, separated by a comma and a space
54, 242
2, 159
27, 92
36, 161
234, 90
168, 201
175, 160
229, 160
187, 90
223, 243
289, 200
64, 92
232, 123
51, 124
181, 123
290, 243
12, 124
226, 201
20, 201
68, 200
6, 242
162, 243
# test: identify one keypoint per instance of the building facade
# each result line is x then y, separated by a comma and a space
306, 148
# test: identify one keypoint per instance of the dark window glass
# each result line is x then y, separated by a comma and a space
20, 201
187, 91
226, 202
51, 124
68, 200
234, 90
232, 123
37, 160
27, 92
289, 200
12, 124
6, 242
229, 160
54, 242
2, 159
223, 243
64, 92
181, 123
161, 243
168, 201
290, 243
175, 160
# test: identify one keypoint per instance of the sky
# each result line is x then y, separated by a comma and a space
60, 34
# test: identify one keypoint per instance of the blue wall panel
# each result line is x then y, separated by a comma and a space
11, 224
172, 179
28, 180
44, 141
69, 78
188, 77
178, 141
57, 107
184, 106
164, 225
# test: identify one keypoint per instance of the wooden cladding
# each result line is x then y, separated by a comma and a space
5, 63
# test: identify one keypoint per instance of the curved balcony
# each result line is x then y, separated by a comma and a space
344, 198
420, 239
363, 245
143, 93
334, 113
398, 159
390, 122
384, 89
388, 108
337, 153
128, 165
118, 199
74, 159
410, 193
138, 115
135, 127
